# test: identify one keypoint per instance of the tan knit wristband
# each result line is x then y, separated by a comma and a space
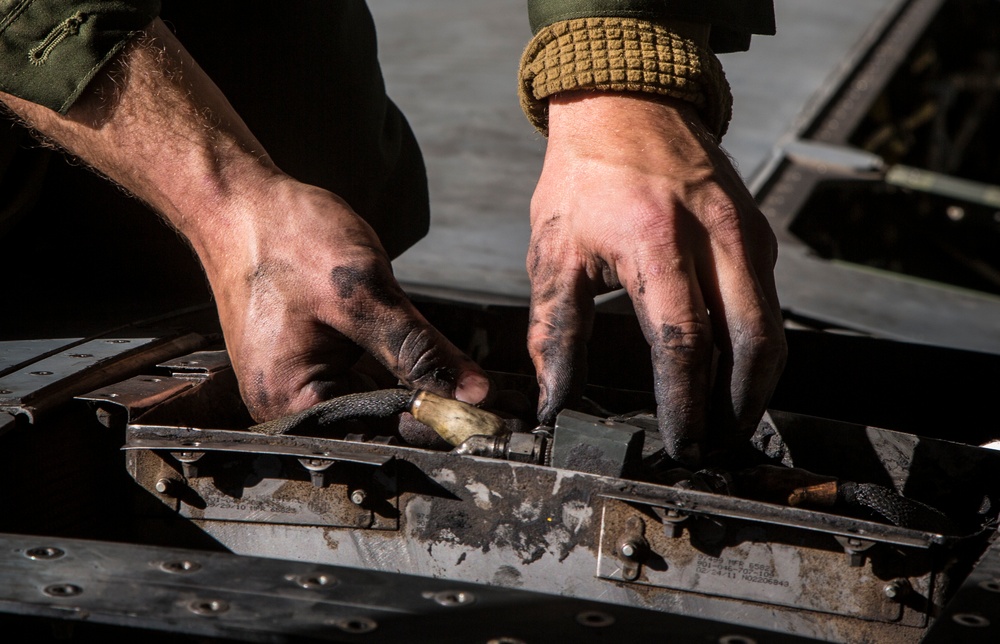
621, 55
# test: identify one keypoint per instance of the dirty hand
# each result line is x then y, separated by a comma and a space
304, 289
301, 281
634, 193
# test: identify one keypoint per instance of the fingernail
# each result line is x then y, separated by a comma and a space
472, 388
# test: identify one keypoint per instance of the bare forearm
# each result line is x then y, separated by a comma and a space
154, 123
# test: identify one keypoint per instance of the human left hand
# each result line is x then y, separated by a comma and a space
635, 193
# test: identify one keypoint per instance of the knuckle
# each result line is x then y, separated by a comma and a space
686, 342
760, 344
723, 221
418, 356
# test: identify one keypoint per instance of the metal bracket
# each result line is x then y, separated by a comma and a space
317, 469
855, 549
253, 477
673, 520
187, 461
632, 548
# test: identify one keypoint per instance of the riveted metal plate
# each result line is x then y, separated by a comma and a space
232, 482
780, 565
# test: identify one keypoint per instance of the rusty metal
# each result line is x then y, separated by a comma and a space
37, 387
511, 523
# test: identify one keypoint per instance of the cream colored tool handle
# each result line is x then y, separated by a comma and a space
454, 420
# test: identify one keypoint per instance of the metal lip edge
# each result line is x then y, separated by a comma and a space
152, 437
709, 504
242, 442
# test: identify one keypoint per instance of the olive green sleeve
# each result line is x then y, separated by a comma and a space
51, 49
733, 21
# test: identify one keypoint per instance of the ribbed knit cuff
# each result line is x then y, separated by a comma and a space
622, 55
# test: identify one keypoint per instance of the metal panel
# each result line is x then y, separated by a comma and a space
79, 584
55, 379
523, 525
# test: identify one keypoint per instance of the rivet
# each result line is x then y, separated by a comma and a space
454, 598
80, 355
736, 639
45, 553
118, 341
313, 581
595, 619
180, 567
356, 625
208, 606
991, 585
40, 373
358, 497
62, 590
970, 619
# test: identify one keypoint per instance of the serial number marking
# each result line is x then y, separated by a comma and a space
245, 506
739, 570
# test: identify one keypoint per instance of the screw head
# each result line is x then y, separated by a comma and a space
896, 589
358, 496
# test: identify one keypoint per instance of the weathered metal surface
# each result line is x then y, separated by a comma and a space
83, 584
199, 363
863, 82
883, 303
973, 615
55, 379
14, 354
761, 562
524, 525
287, 484
136, 395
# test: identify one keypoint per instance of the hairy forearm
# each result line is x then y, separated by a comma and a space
154, 123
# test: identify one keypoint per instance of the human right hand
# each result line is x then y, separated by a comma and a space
302, 284
303, 288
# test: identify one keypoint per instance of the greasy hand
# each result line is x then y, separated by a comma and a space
306, 288
301, 282
635, 194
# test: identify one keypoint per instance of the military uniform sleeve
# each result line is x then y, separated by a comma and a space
51, 49
733, 21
